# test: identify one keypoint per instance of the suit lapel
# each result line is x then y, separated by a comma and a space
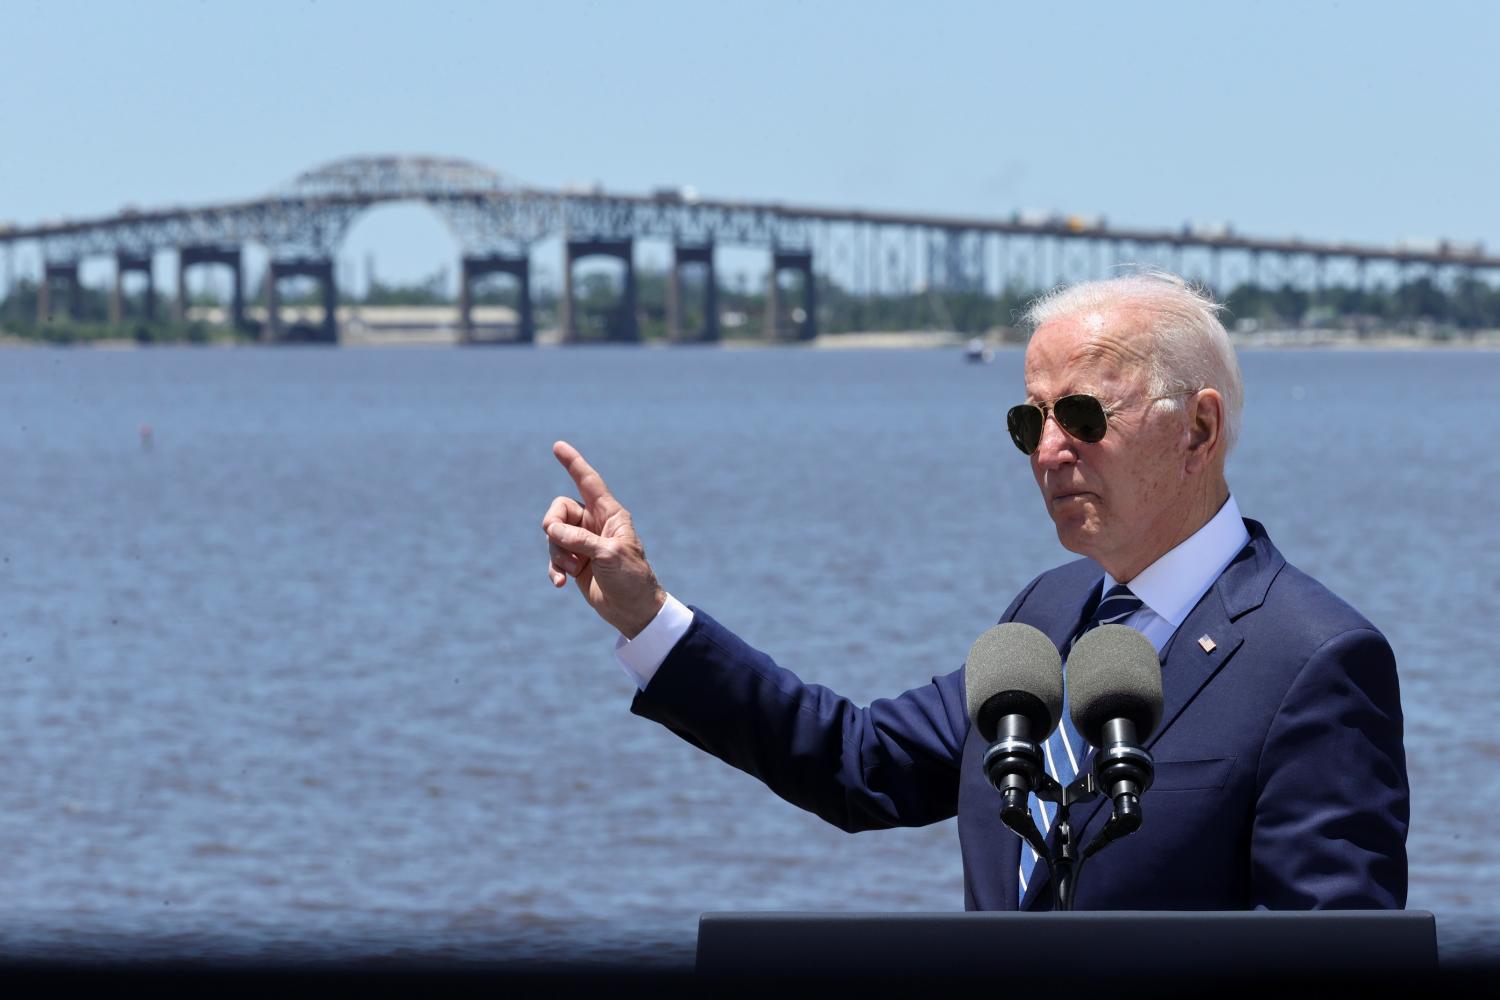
1188, 663
1072, 614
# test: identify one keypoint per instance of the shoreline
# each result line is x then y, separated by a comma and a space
1337, 340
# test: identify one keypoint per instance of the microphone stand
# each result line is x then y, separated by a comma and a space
1065, 864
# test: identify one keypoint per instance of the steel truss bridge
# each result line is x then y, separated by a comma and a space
497, 222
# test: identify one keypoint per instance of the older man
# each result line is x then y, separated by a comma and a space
1280, 771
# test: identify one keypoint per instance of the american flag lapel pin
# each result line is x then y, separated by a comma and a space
1208, 644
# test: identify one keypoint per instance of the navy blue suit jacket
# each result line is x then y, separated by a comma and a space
1280, 770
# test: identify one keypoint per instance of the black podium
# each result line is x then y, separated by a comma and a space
1144, 946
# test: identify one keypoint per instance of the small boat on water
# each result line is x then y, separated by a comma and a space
977, 353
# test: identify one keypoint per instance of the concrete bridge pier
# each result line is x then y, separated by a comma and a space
301, 267
125, 263
624, 329
693, 255
193, 256
67, 273
472, 269
801, 262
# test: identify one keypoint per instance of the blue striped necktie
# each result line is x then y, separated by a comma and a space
1065, 749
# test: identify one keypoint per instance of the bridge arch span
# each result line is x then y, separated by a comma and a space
396, 178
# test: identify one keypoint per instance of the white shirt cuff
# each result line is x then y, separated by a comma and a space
642, 656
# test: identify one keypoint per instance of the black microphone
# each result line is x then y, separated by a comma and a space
1014, 691
1114, 683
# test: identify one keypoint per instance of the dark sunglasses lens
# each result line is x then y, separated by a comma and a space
1025, 423
1081, 416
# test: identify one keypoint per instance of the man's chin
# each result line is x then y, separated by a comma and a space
1076, 537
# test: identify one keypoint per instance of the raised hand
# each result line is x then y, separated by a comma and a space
594, 542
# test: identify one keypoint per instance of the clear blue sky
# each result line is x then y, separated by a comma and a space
1361, 120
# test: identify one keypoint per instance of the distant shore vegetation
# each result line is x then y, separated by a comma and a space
1419, 308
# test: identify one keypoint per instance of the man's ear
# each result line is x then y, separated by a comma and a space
1205, 428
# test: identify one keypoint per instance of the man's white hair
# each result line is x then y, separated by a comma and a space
1190, 348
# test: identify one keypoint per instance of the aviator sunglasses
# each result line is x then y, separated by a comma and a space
1080, 415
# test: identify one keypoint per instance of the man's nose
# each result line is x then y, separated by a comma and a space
1056, 447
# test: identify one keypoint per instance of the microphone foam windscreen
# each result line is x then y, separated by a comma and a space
1114, 673
1013, 669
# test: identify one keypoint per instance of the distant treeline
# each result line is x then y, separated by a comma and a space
1416, 306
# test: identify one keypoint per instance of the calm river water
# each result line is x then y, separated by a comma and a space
291, 682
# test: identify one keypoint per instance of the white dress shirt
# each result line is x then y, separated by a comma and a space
1168, 589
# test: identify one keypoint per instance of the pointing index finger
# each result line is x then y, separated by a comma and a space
590, 484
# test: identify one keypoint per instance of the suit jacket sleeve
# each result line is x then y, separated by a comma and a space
1330, 823
895, 763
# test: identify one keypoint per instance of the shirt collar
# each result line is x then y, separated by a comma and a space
1172, 585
